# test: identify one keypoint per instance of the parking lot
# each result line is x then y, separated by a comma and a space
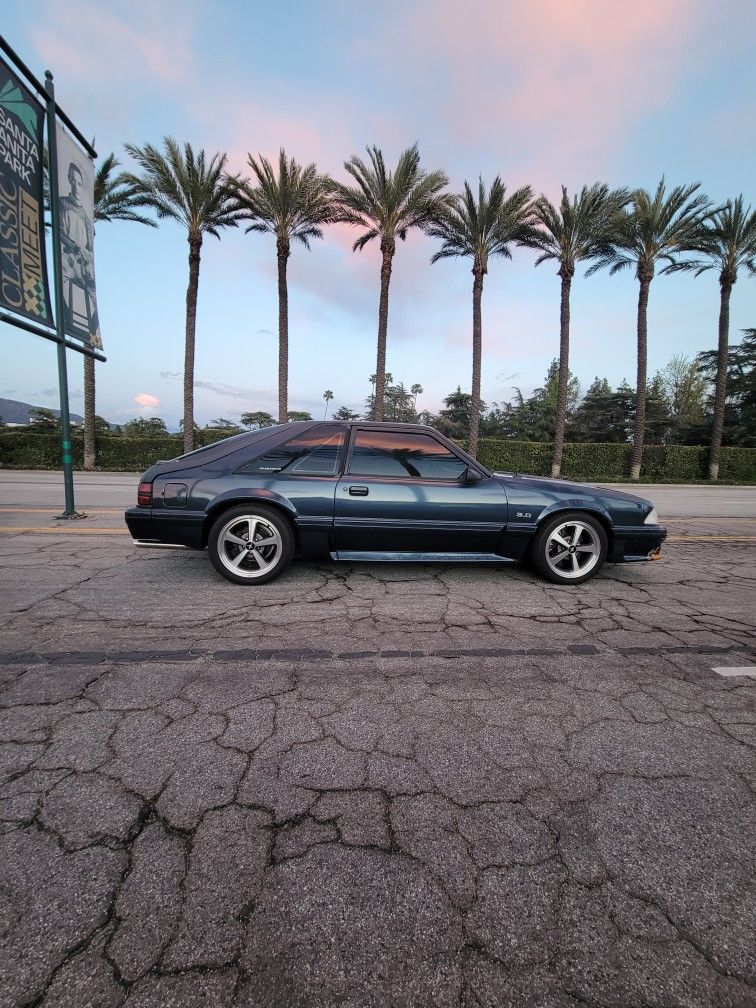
374, 785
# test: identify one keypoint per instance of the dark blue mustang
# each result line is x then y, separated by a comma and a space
379, 491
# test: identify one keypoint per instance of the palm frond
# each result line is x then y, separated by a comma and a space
657, 228
288, 200
581, 228
364, 238
184, 186
385, 204
483, 223
728, 239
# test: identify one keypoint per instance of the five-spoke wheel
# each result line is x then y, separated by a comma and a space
250, 544
569, 548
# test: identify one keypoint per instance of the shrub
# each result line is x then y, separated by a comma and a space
737, 465
21, 450
515, 456
610, 463
135, 454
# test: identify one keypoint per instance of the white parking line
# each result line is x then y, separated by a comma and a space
735, 670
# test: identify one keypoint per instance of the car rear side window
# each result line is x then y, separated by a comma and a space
393, 453
313, 453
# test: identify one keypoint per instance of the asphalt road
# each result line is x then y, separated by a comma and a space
374, 786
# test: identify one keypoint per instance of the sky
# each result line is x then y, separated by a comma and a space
541, 92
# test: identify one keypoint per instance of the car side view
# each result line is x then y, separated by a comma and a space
379, 491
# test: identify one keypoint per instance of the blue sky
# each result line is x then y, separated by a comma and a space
544, 92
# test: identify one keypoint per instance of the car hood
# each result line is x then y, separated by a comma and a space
560, 486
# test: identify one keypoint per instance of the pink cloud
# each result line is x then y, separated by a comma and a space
548, 85
309, 128
147, 400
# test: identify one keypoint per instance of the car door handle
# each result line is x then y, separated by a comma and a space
358, 491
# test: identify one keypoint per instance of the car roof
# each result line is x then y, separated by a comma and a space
379, 424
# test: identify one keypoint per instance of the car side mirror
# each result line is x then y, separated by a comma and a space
470, 476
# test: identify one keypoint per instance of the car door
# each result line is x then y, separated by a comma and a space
404, 492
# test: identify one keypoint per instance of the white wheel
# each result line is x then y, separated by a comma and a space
569, 548
250, 544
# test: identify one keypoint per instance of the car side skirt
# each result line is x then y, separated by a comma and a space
420, 557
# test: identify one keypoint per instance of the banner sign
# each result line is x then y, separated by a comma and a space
23, 271
76, 228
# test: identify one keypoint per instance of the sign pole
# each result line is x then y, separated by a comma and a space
65, 420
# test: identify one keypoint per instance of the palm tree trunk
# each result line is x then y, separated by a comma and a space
564, 374
195, 244
387, 250
720, 390
477, 347
89, 413
640, 384
283, 332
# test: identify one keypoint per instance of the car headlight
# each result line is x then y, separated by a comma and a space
652, 518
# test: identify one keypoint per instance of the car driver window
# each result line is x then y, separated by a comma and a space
394, 454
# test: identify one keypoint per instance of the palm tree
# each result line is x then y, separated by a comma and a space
114, 199
387, 205
656, 229
577, 229
198, 193
327, 395
291, 204
415, 391
728, 242
480, 228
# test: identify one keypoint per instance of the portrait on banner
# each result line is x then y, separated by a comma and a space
76, 229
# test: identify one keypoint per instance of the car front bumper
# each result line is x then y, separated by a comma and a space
637, 543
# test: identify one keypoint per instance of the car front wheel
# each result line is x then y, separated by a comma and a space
569, 548
250, 544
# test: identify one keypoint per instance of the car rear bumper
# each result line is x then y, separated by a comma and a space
633, 544
149, 527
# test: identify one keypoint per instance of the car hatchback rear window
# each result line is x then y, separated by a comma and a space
314, 453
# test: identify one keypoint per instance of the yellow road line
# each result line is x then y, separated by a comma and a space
695, 521
52, 511
711, 538
58, 530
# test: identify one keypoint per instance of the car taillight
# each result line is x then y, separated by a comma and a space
144, 495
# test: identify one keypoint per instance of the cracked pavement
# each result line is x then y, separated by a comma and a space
375, 785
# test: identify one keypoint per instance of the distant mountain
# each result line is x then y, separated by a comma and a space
14, 412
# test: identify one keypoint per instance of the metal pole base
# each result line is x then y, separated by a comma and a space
70, 516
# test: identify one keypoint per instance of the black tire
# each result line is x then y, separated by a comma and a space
555, 562
269, 559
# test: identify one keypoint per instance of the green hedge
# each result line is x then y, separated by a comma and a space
22, 450
610, 463
607, 463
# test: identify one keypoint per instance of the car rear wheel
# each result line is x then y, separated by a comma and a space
250, 544
569, 548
